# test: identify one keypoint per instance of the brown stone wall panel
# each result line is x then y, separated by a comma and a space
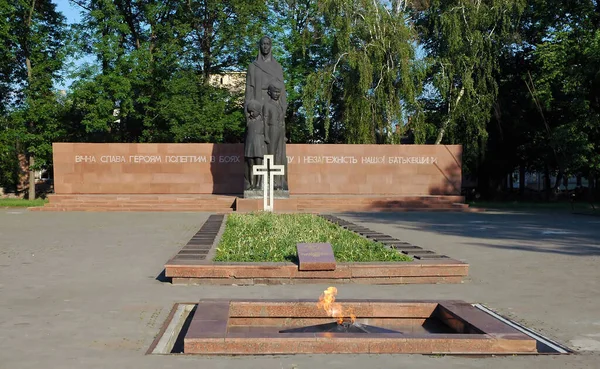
313, 169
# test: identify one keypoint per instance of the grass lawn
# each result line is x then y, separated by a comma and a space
20, 203
273, 237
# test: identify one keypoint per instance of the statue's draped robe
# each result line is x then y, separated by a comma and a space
262, 72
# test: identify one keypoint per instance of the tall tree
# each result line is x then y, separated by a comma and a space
463, 40
563, 85
367, 78
36, 53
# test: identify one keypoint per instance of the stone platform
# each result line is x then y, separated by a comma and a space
229, 203
194, 264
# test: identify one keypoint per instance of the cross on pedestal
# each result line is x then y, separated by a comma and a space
268, 170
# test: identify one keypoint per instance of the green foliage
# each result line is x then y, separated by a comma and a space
273, 237
195, 112
32, 55
299, 29
155, 60
9, 155
366, 76
464, 40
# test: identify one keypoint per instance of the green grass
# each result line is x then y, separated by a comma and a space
21, 203
263, 237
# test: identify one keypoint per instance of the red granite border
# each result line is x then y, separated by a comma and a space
416, 271
212, 329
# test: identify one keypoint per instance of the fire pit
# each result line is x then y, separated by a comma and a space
336, 310
242, 327
343, 327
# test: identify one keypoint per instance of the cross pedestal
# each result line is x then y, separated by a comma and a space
268, 171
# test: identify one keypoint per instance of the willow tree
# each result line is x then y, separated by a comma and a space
367, 78
463, 40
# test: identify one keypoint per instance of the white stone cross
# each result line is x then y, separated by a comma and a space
268, 170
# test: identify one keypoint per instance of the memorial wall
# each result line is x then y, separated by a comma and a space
115, 168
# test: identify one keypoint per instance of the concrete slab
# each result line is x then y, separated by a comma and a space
71, 295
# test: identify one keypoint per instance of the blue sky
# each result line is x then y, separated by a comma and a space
68, 10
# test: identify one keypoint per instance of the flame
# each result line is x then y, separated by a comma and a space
334, 309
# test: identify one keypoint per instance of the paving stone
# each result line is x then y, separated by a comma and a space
430, 256
406, 247
193, 252
200, 242
417, 252
190, 257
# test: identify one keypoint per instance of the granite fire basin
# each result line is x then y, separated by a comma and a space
250, 327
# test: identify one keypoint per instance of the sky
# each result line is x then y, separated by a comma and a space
68, 10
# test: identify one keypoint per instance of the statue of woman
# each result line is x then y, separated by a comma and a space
263, 72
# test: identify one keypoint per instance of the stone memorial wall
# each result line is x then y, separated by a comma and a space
84, 168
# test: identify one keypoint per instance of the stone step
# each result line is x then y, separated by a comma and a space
140, 206
227, 203
139, 198
128, 209
142, 203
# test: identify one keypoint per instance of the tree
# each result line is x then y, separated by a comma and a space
463, 40
35, 51
156, 59
564, 87
366, 78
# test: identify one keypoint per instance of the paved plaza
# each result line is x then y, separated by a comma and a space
80, 290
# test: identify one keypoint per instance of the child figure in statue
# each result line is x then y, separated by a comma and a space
274, 116
254, 143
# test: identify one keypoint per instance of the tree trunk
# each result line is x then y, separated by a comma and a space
31, 178
547, 182
559, 178
522, 179
447, 121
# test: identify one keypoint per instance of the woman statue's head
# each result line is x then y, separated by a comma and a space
265, 46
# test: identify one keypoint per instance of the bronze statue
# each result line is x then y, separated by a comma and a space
265, 85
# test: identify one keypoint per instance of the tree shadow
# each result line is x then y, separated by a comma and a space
562, 234
227, 169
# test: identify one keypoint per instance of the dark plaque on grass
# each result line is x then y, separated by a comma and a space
315, 256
